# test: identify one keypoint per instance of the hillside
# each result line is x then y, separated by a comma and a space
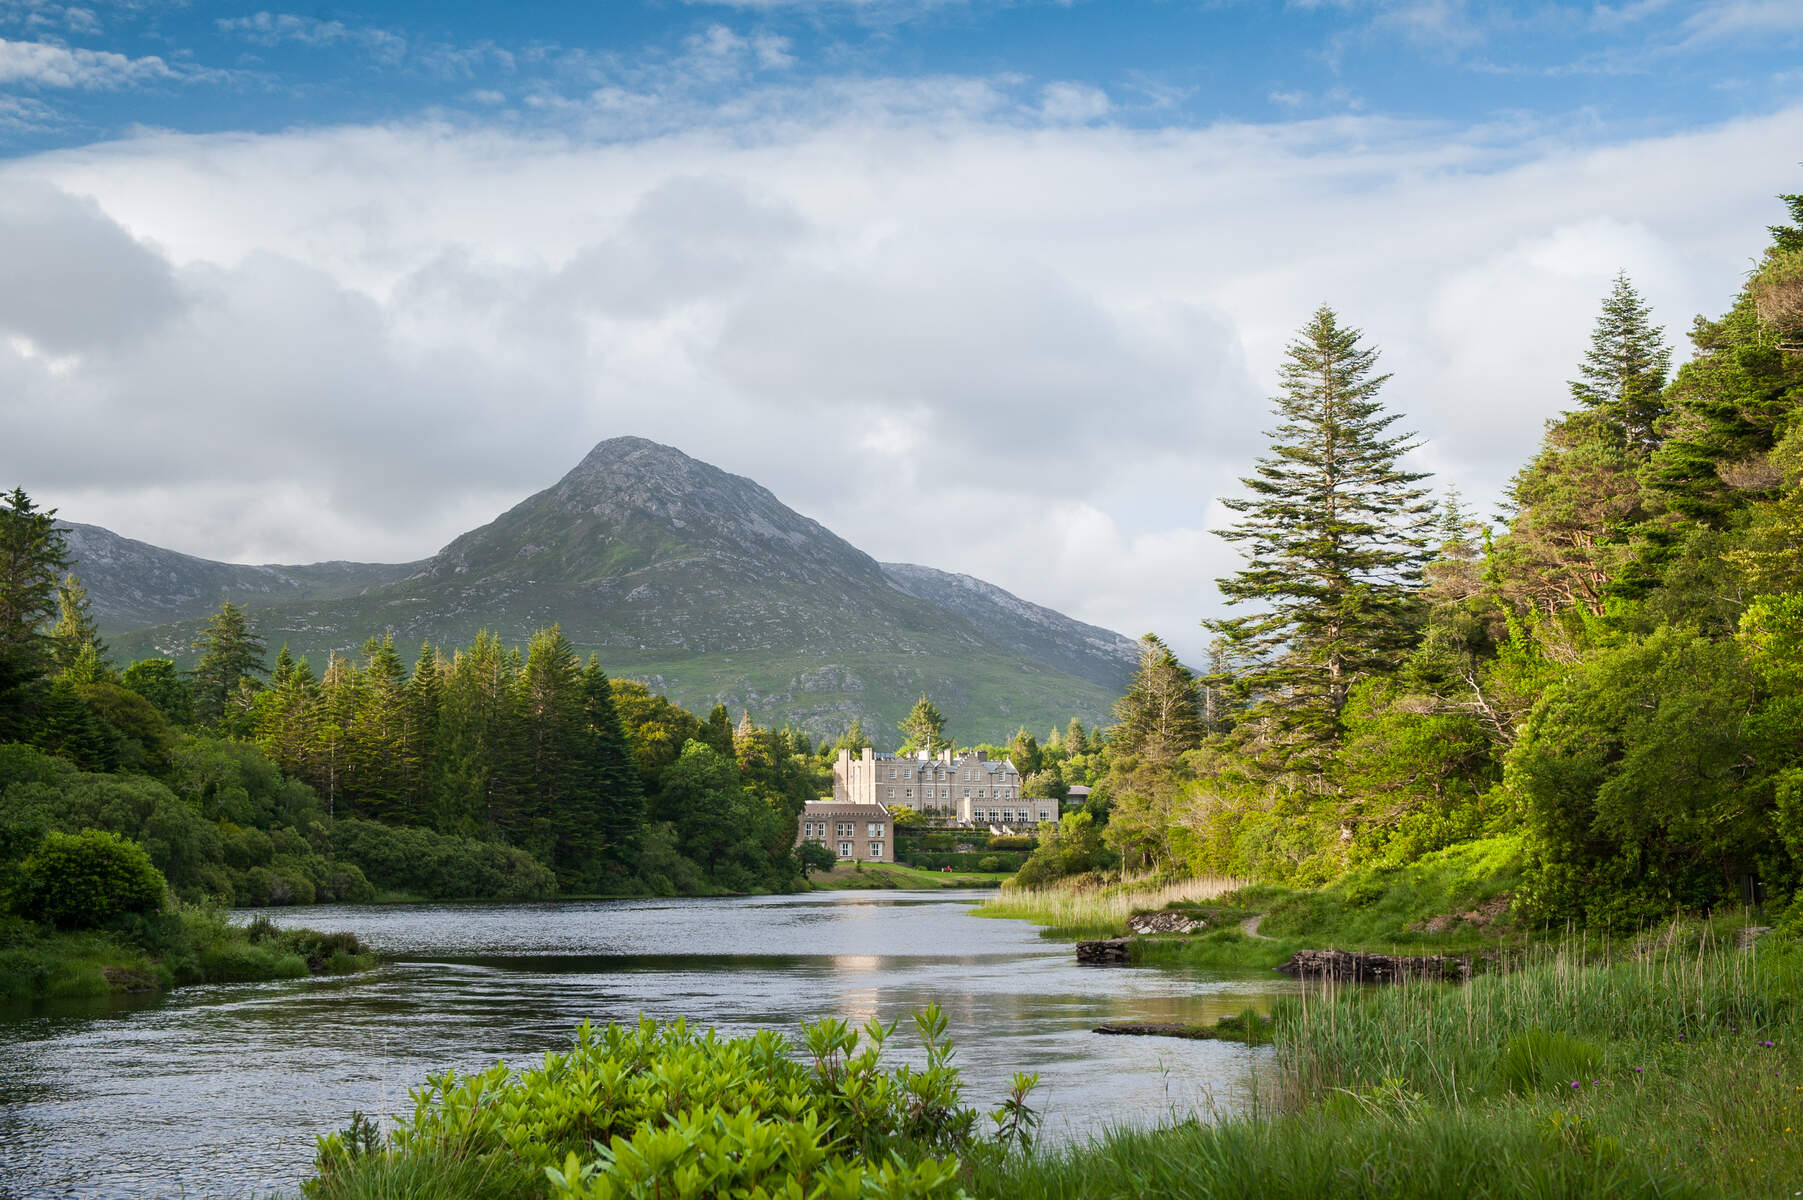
701, 582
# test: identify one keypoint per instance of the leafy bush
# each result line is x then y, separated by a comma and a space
661, 1110
88, 879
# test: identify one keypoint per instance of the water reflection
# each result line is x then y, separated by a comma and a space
220, 1090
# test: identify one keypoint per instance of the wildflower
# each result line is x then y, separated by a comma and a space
1574, 1083
1768, 1045
1638, 1070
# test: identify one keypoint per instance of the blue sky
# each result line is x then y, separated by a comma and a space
84, 72
996, 288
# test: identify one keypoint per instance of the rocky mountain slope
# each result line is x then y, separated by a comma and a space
701, 582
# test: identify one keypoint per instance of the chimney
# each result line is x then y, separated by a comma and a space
982, 756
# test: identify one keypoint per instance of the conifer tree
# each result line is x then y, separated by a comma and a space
924, 727
75, 628
1160, 716
1624, 371
33, 555
1334, 535
231, 655
613, 774
717, 733
853, 739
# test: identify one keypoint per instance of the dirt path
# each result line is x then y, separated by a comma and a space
1249, 927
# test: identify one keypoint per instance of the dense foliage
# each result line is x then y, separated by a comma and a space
484, 772
86, 879
669, 1111
1609, 681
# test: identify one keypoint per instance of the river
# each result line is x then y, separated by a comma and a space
220, 1090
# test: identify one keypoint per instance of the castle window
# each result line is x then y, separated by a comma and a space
876, 849
844, 849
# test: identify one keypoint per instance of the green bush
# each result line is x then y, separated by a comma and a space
666, 1111
88, 879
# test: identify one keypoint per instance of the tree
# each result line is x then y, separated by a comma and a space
718, 730
812, 856
924, 728
157, 680
853, 739
74, 630
1334, 533
1159, 717
33, 555
1024, 752
231, 655
87, 879
1624, 371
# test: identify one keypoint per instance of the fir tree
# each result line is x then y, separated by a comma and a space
718, 730
1624, 371
33, 555
1160, 716
613, 775
75, 629
924, 728
231, 655
1334, 534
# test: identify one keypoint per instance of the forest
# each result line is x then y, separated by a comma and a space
1603, 687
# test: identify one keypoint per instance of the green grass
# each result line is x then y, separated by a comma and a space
893, 875
153, 953
1072, 910
1687, 1054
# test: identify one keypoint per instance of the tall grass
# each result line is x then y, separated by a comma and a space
1072, 909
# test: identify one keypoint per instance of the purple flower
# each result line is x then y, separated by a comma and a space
1768, 1045
1574, 1083
1637, 1070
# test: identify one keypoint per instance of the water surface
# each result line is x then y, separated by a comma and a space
219, 1090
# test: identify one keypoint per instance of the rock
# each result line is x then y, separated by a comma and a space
1345, 966
1109, 952
1168, 921
1158, 1029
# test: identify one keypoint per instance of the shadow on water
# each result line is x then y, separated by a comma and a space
219, 1090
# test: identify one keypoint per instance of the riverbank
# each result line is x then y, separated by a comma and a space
1455, 902
893, 875
153, 953
1671, 1069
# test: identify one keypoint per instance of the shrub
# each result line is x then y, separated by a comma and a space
990, 862
87, 879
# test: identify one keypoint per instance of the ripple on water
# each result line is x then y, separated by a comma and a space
220, 1090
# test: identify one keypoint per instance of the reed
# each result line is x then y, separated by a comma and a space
1079, 909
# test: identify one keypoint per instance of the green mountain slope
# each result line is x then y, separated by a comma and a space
708, 587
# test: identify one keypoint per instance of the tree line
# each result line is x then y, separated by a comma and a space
1606, 678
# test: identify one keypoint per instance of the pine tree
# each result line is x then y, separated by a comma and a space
613, 774
1334, 534
717, 733
853, 739
1076, 741
924, 727
33, 555
231, 655
381, 749
1625, 369
75, 629
425, 696
1160, 716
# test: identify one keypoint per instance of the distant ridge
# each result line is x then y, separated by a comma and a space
674, 571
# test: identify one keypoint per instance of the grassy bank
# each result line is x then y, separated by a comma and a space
893, 875
163, 950
1098, 910
1672, 1066
1454, 901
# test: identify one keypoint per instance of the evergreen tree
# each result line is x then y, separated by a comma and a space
613, 775
231, 656
33, 555
1624, 371
853, 739
1024, 752
924, 728
558, 817
718, 731
75, 629
425, 695
1334, 535
1160, 716
1076, 741
158, 681
381, 746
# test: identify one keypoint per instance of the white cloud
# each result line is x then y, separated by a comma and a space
47, 64
1034, 354
1074, 102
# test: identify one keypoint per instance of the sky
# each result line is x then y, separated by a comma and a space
996, 287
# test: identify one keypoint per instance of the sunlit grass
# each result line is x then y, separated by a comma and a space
1073, 909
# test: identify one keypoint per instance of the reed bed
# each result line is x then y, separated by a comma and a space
1075, 909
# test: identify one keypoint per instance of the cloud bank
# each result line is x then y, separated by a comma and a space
1034, 352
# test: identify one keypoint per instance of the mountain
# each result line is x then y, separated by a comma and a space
132, 584
700, 582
